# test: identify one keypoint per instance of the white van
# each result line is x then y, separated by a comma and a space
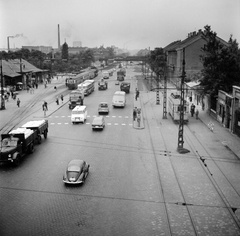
79, 114
105, 74
119, 99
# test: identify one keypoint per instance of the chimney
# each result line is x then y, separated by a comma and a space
59, 47
8, 44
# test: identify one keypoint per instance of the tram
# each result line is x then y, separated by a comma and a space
73, 82
174, 108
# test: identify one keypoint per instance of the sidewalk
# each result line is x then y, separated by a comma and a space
48, 94
223, 135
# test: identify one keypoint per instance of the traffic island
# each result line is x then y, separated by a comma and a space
138, 122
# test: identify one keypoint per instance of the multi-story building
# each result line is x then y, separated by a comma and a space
77, 44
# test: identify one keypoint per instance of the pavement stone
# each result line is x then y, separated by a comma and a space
26, 97
227, 138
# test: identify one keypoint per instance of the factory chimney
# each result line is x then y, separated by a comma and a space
8, 44
59, 47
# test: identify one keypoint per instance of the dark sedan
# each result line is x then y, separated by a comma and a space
76, 172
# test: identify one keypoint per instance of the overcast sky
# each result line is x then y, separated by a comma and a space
129, 24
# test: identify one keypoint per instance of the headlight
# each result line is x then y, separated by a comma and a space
9, 155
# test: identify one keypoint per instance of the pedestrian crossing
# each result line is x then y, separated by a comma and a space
107, 116
88, 123
125, 120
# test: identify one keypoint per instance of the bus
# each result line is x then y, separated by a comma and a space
174, 108
87, 87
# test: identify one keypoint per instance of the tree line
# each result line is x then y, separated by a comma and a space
60, 61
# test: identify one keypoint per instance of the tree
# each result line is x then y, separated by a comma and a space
221, 65
65, 51
88, 57
157, 60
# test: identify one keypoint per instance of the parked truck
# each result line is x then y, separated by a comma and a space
102, 84
76, 98
40, 126
17, 144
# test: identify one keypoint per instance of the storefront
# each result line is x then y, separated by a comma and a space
224, 108
236, 110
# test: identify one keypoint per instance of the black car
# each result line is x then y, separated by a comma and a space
125, 86
76, 172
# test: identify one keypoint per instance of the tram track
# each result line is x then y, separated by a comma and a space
201, 161
196, 155
22, 113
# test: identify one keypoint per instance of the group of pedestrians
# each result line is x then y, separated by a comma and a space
137, 115
192, 110
57, 99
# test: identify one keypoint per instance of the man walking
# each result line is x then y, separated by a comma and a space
192, 110
134, 113
62, 98
45, 104
137, 94
18, 102
57, 101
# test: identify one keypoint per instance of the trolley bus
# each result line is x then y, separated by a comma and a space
174, 108
87, 87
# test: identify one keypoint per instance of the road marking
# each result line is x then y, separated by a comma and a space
63, 116
90, 124
113, 116
119, 116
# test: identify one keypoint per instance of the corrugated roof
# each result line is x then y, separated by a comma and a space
8, 69
12, 67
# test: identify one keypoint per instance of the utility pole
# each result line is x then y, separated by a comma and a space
2, 91
157, 92
180, 148
165, 97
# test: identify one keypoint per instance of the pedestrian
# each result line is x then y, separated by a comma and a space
55, 88
57, 101
18, 102
192, 110
197, 113
203, 105
45, 104
138, 119
134, 113
62, 98
137, 94
27, 88
6, 97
